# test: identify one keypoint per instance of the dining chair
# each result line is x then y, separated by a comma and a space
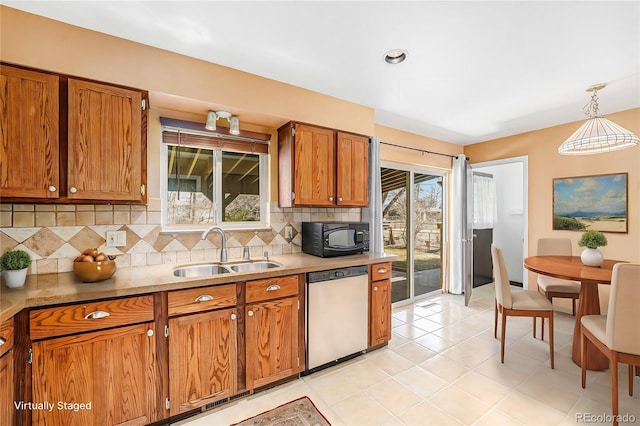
556, 287
616, 334
520, 303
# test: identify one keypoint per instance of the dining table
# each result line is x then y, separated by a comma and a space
572, 268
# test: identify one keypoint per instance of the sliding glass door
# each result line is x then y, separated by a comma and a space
412, 209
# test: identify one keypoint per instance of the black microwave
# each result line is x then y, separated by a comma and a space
329, 239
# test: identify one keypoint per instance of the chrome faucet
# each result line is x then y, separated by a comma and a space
223, 251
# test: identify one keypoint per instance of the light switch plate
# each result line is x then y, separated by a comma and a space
116, 238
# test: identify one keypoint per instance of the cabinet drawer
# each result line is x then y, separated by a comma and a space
271, 288
201, 299
380, 271
59, 321
6, 336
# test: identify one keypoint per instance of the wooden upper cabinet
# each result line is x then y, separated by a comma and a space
28, 134
314, 166
353, 170
322, 167
106, 152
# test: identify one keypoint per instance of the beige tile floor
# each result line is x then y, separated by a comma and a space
443, 367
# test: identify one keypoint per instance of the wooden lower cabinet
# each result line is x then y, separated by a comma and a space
7, 392
112, 372
272, 351
202, 359
380, 304
7, 374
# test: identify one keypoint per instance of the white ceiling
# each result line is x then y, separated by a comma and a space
476, 70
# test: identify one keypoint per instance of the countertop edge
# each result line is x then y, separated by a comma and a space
52, 289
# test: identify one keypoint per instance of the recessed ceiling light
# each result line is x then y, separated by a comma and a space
395, 56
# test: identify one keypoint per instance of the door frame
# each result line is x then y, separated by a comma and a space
413, 168
525, 202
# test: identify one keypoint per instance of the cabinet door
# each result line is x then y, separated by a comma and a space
7, 398
29, 159
113, 370
271, 341
314, 166
352, 170
105, 142
202, 359
380, 312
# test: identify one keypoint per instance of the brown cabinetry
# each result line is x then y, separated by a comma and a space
379, 304
353, 170
28, 134
7, 388
202, 346
105, 146
271, 321
322, 167
106, 376
65, 139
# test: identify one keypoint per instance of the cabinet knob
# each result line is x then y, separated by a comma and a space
2, 341
149, 333
204, 298
375, 288
330, 198
340, 199
73, 190
250, 313
97, 315
273, 287
233, 317
52, 188
382, 270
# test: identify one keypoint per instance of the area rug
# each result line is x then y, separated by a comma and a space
300, 412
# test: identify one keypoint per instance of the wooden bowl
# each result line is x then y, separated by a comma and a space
90, 272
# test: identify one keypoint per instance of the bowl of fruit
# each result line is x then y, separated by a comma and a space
93, 265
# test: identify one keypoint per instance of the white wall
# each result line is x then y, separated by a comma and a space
508, 232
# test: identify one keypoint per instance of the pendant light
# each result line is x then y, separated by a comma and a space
598, 134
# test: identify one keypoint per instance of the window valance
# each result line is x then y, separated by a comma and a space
188, 133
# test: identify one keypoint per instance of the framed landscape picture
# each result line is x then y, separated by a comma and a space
591, 202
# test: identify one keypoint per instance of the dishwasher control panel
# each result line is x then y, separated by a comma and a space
336, 274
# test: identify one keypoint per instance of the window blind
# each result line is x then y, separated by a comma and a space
188, 133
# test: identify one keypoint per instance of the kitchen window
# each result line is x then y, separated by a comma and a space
212, 178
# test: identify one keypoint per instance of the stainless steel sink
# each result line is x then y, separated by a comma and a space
201, 270
257, 265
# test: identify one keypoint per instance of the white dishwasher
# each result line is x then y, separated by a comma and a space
337, 314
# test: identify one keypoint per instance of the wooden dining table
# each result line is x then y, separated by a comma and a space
572, 268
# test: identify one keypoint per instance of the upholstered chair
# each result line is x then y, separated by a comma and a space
520, 303
616, 334
555, 287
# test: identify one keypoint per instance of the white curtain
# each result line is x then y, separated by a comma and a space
373, 213
485, 209
459, 225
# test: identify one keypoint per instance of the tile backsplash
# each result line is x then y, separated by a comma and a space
54, 234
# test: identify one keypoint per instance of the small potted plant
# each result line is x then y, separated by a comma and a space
591, 256
14, 264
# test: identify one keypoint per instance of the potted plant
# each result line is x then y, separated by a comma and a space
591, 256
14, 264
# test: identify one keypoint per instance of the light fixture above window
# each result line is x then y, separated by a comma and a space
395, 56
213, 116
598, 134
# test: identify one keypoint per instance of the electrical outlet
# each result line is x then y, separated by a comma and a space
116, 238
288, 232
